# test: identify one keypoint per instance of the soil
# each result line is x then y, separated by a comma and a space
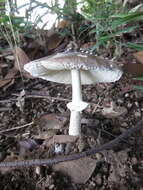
26, 125
120, 168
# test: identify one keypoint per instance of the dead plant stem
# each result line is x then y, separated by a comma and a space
92, 151
16, 128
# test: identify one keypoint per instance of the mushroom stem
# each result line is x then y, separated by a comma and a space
76, 86
77, 105
75, 123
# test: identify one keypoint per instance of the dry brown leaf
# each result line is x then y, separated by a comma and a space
60, 139
79, 170
139, 56
51, 121
26, 145
63, 24
54, 41
118, 161
134, 69
88, 45
9, 78
20, 60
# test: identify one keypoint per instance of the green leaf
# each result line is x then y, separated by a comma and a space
136, 8
126, 18
2, 1
135, 46
18, 20
4, 19
138, 87
118, 33
138, 78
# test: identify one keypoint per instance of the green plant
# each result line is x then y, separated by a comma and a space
103, 21
11, 26
109, 20
69, 12
2, 7
138, 87
136, 46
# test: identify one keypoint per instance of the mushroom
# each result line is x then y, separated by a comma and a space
75, 68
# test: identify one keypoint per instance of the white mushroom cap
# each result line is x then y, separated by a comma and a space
56, 68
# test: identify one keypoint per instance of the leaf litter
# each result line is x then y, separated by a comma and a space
104, 172
58, 121
78, 170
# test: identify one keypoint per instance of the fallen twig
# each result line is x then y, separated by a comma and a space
16, 128
5, 109
43, 96
106, 146
8, 100
27, 96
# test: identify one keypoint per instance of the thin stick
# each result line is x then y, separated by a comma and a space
8, 100
34, 96
5, 109
50, 97
16, 128
43, 96
47, 97
106, 146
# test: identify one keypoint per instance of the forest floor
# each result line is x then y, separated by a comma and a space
34, 119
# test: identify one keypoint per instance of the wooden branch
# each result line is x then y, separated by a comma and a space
92, 151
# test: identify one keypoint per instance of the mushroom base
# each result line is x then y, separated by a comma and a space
75, 123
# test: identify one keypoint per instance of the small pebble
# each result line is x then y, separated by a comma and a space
134, 160
127, 95
137, 104
129, 105
99, 156
120, 101
92, 184
59, 148
124, 124
137, 114
38, 170
51, 187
